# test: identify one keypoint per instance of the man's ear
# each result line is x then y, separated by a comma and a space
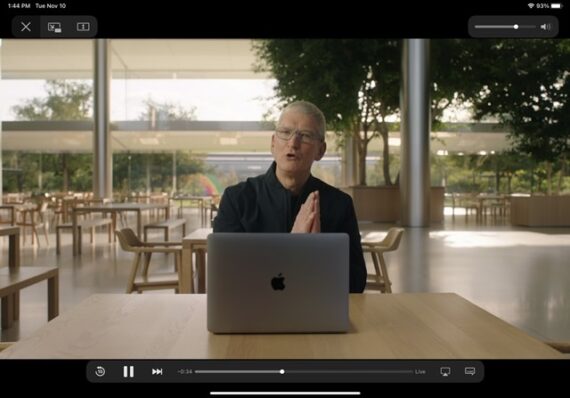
322, 150
272, 144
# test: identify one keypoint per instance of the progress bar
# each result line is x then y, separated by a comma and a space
249, 371
283, 371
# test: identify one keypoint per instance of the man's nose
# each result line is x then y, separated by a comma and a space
295, 141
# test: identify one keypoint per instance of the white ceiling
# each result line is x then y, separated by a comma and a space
223, 141
140, 58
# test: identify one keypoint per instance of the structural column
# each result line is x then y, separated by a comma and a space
349, 169
102, 154
415, 134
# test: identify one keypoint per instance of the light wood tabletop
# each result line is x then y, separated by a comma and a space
402, 326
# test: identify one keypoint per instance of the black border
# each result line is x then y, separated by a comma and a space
516, 375
181, 19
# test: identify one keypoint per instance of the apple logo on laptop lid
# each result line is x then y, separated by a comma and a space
278, 282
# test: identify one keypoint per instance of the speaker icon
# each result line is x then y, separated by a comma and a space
546, 26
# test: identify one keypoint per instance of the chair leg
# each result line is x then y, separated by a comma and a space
133, 275
57, 240
147, 257
377, 269
46, 234
35, 234
387, 283
178, 267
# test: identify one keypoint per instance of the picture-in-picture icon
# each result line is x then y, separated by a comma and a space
54, 27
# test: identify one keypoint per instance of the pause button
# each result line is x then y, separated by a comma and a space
128, 371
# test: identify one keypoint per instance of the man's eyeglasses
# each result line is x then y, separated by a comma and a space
307, 137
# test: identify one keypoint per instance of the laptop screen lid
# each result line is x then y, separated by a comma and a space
277, 282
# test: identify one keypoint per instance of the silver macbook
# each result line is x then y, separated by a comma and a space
277, 282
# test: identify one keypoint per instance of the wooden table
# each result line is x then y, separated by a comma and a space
194, 244
402, 326
13, 234
15, 278
114, 208
12, 210
202, 205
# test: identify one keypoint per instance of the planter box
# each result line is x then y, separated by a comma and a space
382, 204
540, 211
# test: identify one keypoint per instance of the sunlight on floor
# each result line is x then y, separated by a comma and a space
467, 239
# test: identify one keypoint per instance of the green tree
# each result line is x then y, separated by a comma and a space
356, 84
527, 88
454, 79
65, 100
166, 111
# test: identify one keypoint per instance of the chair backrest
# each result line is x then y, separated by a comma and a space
128, 239
392, 240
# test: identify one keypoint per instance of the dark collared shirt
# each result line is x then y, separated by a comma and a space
262, 204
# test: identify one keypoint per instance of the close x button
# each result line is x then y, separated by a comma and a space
26, 26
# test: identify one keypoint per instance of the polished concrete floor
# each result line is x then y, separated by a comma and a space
520, 275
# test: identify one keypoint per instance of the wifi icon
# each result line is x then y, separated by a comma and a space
530, 5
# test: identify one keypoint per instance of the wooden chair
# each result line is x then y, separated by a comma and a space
38, 219
381, 280
214, 206
131, 243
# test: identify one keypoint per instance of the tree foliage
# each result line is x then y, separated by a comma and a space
71, 100
528, 90
66, 100
166, 111
354, 82
357, 82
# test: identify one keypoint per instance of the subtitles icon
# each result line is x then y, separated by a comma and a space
470, 370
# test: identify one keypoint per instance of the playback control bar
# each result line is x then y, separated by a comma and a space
287, 371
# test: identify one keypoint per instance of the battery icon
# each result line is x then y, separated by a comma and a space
555, 5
